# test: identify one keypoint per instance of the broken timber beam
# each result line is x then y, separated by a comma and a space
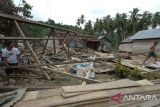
54, 42
71, 75
86, 78
44, 48
28, 38
11, 17
28, 45
58, 63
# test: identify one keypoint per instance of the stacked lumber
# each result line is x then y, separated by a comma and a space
92, 95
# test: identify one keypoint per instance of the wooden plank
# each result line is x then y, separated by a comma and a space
71, 75
145, 82
30, 95
68, 73
28, 38
92, 103
71, 94
58, 63
33, 95
103, 71
44, 48
129, 64
65, 95
58, 100
54, 42
29, 88
100, 86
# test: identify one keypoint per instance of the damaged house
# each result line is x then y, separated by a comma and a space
141, 41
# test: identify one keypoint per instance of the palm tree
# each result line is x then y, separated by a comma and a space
88, 28
98, 26
156, 20
145, 20
134, 19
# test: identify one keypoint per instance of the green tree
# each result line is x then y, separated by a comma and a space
8, 7
134, 20
88, 29
50, 22
98, 27
145, 20
156, 19
25, 9
81, 21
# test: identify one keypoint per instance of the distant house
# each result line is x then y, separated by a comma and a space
104, 44
100, 43
76, 43
126, 45
141, 41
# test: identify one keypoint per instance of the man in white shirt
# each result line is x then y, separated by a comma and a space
10, 55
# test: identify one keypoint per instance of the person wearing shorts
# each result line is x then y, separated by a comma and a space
152, 53
10, 55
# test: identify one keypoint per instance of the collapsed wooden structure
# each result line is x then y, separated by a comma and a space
55, 34
90, 95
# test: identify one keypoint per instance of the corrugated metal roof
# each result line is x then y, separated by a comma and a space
147, 34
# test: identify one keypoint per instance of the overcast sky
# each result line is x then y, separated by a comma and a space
68, 11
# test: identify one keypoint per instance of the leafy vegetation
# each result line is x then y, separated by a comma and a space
8, 7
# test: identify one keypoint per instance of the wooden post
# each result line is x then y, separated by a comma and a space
46, 43
76, 46
65, 39
54, 42
64, 46
28, 45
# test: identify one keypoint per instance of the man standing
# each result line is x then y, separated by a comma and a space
152, 53
10, 55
